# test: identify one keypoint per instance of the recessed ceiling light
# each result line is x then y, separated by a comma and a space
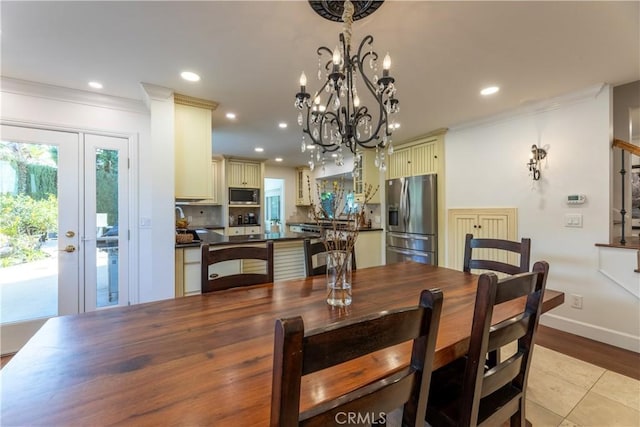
489, 90
258, 149
231, 116
311, 147
282, 125
278, 159
190, 76
95, 85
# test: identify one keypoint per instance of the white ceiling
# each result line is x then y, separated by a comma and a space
250, 55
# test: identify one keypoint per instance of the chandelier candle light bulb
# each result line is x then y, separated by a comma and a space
303, 82
386, 65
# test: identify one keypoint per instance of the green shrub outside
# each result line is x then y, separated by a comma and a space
24, 224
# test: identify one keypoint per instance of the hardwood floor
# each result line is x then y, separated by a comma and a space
612, 358
5, 359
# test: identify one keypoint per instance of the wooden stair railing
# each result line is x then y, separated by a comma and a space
633, 149
627, 146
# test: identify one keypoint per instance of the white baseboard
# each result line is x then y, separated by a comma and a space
596, 333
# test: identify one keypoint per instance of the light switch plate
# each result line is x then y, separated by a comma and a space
573, 220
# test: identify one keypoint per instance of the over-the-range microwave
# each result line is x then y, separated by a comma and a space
244, 196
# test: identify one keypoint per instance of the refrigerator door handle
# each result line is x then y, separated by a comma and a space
405, 201
402, 205
408, 202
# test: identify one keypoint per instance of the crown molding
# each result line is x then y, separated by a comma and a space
59, 93
538, 107
191, 101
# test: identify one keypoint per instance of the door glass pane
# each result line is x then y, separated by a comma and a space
28, 231
107, 244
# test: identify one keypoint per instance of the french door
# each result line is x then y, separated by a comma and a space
63, 200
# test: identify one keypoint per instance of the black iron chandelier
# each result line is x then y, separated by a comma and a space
334, 118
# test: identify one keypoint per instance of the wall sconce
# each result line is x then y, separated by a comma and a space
537, 154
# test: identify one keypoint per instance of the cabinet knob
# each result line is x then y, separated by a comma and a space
475, 226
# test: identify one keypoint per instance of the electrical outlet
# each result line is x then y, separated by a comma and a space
576, 301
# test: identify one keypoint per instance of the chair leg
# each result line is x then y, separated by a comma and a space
518, 419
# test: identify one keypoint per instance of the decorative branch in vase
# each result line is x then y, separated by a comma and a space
341, 219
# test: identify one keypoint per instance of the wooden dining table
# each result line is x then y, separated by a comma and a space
206, 360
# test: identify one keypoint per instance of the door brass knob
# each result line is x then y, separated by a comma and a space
70, 248
69, 233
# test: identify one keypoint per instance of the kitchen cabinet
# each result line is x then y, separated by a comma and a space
244, 174
187, 271
239, 231
192, 144
303, 183
369, 174
418, 159
493, 223
369, 246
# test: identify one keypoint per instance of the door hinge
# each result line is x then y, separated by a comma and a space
128, 234
128, 163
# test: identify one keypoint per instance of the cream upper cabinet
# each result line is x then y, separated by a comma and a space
498, 223
418, 159
399, 163
368, 173
216, 196
243, 174
303, 176
192, 148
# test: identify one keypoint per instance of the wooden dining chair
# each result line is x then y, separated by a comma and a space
298, 353
465, 393
312, 250
214, 282
499, 247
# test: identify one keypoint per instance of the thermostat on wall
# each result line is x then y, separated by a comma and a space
576, 199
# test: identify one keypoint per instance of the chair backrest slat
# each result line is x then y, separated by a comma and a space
501, 375
508, 331
297, 353
334, 346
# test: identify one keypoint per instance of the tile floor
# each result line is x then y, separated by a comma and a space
568, 392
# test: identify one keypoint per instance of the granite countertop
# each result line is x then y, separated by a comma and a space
378, 228
215, 239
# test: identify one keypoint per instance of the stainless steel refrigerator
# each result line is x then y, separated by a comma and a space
412, 219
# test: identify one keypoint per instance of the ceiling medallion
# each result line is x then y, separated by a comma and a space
341, 121
332, 10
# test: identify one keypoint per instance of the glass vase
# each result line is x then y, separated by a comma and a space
339, 278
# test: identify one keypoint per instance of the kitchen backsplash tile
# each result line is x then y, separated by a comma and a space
202, 216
